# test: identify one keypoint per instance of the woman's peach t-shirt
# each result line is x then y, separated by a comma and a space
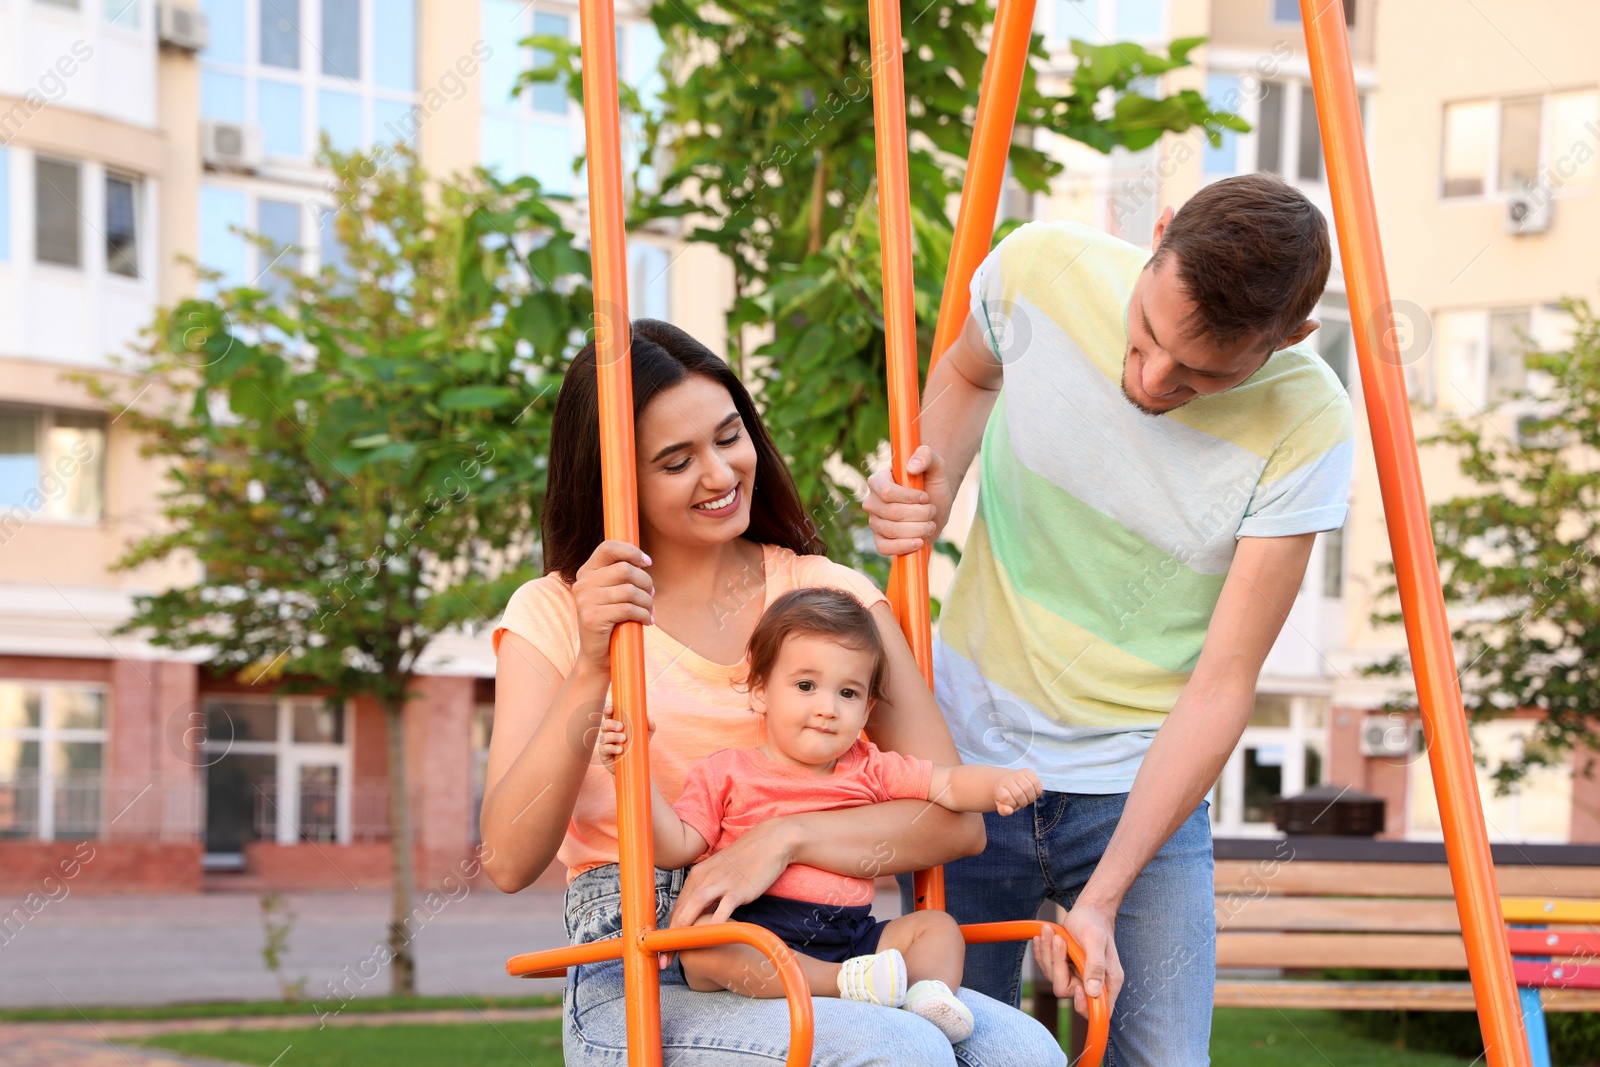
697, 710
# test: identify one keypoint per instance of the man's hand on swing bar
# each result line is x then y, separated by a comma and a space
903, 519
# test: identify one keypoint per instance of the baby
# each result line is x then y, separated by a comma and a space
816, 669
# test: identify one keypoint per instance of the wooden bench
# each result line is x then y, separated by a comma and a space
1309, 904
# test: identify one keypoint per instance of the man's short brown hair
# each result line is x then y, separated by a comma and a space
823, 612
1253, 254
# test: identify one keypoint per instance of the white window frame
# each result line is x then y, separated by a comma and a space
47, 734
141, 227
312, 253
1491, 175
309, 78
292, 757
45, 421
1308, 728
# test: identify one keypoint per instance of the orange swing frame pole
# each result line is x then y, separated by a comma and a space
641, 941
1411, 538
997, 108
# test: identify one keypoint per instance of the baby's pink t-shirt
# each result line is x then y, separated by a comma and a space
728, 793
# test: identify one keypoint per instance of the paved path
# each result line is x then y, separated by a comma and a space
207, 947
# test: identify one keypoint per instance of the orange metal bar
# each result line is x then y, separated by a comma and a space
899, 294
609, 251
553, 962
1411, 537
795, 989
1094, 1045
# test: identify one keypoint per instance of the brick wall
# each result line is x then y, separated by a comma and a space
100, 868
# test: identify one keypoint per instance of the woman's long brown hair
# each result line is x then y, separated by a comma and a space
573, 523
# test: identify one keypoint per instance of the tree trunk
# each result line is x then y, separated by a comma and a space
402, 964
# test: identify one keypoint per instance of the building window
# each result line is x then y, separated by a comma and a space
1222, 93
124, 13
278, 222
482, 730
1282, 753
1075, 19
228, 215
1538, 809
1140, 20
1287, 138
1333, 564
70, 5
57, 212
50, 466
1497, 147
122, 226
1332, 339
52, 758
649, 295
346, 68
1484, 352
1287, 12
276, 770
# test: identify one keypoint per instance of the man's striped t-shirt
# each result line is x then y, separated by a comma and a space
1103, 534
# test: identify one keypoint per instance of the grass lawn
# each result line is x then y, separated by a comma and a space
312, 1008
1240, 1038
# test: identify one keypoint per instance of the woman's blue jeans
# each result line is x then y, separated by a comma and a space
728, 1030
1166, 929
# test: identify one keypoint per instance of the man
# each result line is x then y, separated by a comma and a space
1158, 453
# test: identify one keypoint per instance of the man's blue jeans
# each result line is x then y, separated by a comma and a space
1166, 928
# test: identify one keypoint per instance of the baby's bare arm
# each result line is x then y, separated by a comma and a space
975, 787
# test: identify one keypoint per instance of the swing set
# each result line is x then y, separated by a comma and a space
1394, 445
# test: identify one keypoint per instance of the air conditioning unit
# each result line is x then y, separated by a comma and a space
182, 27
1529, 210
1385, 735
230, 145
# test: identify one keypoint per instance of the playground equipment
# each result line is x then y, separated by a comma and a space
1394, 444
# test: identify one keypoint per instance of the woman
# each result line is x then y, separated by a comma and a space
723, 534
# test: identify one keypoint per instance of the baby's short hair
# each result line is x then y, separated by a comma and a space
821, 611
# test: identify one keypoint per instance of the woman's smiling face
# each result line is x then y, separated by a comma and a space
697, 465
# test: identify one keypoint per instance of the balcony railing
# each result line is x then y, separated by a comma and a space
83, 804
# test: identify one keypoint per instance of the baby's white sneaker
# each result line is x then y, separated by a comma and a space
932, 1000
879, 979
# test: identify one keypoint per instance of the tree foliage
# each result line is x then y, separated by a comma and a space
760, 137
355, 457
1517, 556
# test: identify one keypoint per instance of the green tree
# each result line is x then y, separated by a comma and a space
355, 458
1517, 558
759, 132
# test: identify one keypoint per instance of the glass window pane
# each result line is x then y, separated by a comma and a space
1333, 563
1334, 344
222, 96
57, 213
1263, 781
550, 154
18, 758
1519, 143
341, 38
240, 720
1571, 154
19, 467
222, 248
1286, 11
78, 783
73, 483
316, 723
330, 248
122, 246
1271, 709
123, 13
1310, 137
551, 97
394, 44
319, 804
497, 145
278, 110
72, 708
1222, 93
5, 204
1466, 147
502, 32
1313, 767
280, 33
1077, 19
339, 116
1459, 339
20, 705
1269, 128
648, 290
224, 30
70, 5
19, 792
237, 785
279, 222
1139, 20
394, 122
1508, 347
